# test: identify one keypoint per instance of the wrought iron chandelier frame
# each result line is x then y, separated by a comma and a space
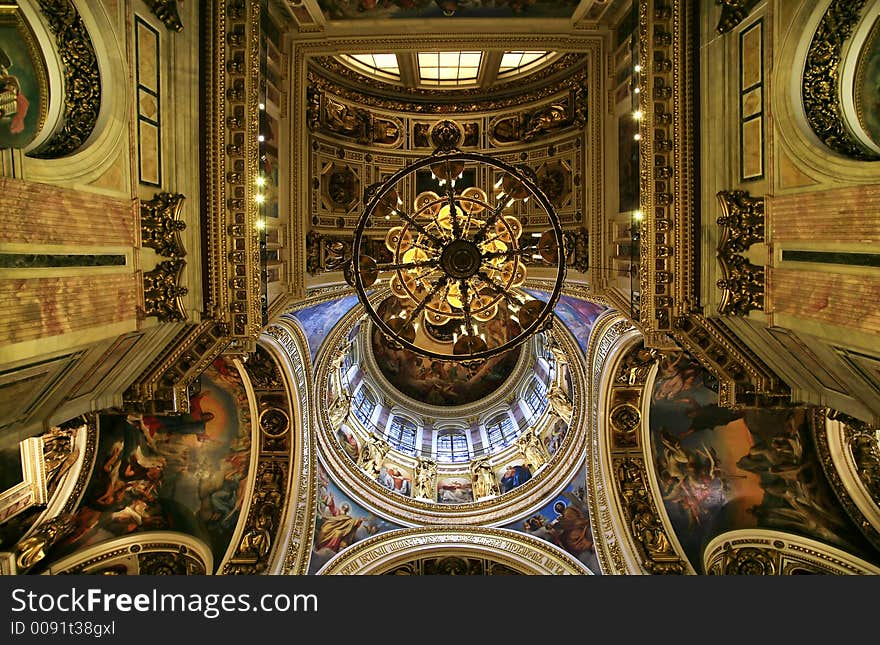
459, 251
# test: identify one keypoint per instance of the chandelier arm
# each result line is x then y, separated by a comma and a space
453, 210
434, 262
509, 254
424, 303
490, 221
466, 306
421, 229
499, 288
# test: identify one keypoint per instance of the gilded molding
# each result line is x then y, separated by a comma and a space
836, 449
82, 79
155, 553
166, 11
431, 105
762, 552
163, 293
820, 87
387, 551
231, 209
163, 387
293, 559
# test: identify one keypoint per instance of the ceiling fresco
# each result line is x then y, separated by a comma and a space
340, 522
317, 320
720, 470
565, 522
184, 473
377, 9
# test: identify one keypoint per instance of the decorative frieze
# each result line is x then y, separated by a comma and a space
161, 225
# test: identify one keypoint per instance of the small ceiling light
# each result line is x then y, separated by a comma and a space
637, 68
637, 115
260, 180
262, 106
638, 216
259, 198
637, 136
261, 138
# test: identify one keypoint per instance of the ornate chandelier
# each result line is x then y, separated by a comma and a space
458, 259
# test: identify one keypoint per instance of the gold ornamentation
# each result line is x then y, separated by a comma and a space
425, 481
741, 284
169, 563
166, 11
162, 291
640, 508
733, 12
161, 225
263, 519
820, 87
335, 117
388, 551
34, 548
625, 421
452, 565
373, 455
741, 221
852, 428
82, 79
274, 422
263, 370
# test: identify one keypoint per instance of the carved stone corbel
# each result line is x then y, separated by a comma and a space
161, 224
733, 12
166, 11
162, 291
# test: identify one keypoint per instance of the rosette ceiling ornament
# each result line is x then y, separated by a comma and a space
458, 256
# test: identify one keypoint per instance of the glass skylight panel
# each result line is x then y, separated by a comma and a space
516, 62
381, 65
449, 68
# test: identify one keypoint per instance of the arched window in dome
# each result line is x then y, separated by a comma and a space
402, 434
534, 398
500, 431
452, 445
364, 403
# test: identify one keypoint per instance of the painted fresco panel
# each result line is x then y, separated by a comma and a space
183, 473
721, 470
21, 104
565, 522
340, 522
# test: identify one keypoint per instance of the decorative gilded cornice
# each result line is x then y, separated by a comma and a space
163, 387
670, 311
762, 552
155, 553
384, 552
741, 224
163, 293
435, 106
82, 79
733, 12
166, 11
820, 87
232, 78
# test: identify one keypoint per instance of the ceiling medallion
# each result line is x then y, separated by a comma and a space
458, 255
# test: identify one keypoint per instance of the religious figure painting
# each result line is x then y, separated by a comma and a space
454, 490
720, 470
21, 76
512, 475
565, 522
340, 522
396, 478
184, 473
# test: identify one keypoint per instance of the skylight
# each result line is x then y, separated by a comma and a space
382, 65
515, 62
449, 68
